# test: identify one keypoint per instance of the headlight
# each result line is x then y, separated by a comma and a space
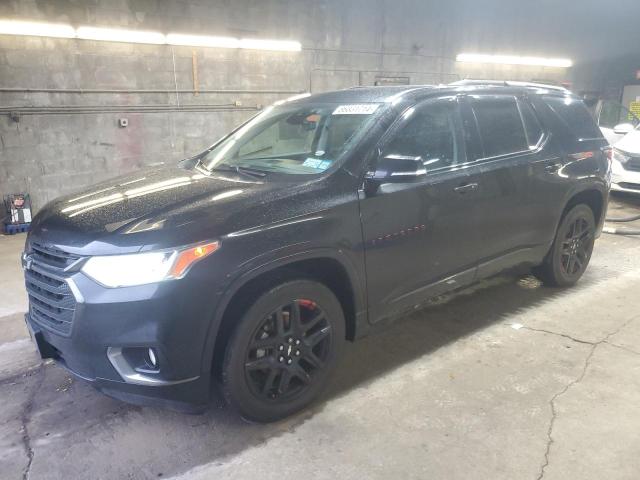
620, 156
142, 268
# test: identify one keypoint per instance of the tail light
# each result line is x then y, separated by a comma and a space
582, 155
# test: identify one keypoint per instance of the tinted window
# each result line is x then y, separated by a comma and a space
531, 124
500, 125
575, 116
429, 134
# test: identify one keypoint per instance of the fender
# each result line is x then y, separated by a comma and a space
252, 271
590, 184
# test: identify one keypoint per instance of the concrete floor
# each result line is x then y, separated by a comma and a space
509, 380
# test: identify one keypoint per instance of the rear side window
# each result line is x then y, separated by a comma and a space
574, 115
500, 125
531, 125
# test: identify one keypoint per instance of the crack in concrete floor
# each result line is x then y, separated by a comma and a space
565, 389
25, 419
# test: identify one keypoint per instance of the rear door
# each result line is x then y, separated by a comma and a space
575, 158
505, 140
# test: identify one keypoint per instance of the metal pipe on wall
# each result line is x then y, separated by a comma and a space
144, 91
16, 112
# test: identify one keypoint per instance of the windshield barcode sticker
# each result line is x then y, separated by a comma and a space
362, 109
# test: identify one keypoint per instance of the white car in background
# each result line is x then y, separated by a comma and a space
622, 129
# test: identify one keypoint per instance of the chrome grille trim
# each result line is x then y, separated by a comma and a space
51, 257
52, 302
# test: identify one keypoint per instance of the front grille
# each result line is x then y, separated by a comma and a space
633, 164
51, 301
51, 257
629, 186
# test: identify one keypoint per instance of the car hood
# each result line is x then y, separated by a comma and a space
630, 143
128, 212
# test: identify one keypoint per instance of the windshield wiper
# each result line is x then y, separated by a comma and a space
252, 172
279, 158
201, 167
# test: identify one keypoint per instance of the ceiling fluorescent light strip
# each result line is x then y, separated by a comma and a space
118, 35
14, 27
202, 41
38, 29
514, 60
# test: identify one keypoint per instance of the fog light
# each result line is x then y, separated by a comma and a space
152, 358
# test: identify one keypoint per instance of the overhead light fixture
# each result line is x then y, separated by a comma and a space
514, 60
38, 29
15, 27
202, 41
118, 35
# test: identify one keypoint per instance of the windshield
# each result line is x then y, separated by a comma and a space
293, 139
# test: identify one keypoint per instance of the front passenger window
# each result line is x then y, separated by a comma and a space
428, 134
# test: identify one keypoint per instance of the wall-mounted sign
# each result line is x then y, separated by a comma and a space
383, 81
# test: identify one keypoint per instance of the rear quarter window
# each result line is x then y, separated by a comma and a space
575, 117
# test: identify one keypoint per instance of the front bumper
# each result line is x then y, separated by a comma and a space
172, 317
187, 397
623, 180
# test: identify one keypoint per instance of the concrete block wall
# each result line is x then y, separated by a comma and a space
49, 148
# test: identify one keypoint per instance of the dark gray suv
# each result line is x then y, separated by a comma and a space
250, 264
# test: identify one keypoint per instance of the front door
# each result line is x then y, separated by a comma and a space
420, 236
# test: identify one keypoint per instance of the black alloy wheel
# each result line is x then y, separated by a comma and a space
287, 350
570, 253
576, 247
283, 350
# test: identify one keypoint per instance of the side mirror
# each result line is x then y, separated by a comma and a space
396, 169
623, 128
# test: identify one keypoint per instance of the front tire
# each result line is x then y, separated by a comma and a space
571, 251
283, 350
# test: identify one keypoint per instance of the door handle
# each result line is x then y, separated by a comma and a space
467, 187
553, 168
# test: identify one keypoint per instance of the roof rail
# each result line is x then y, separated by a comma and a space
508, 83
408, 86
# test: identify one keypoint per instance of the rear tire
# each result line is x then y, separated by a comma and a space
571, 251
283, 350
